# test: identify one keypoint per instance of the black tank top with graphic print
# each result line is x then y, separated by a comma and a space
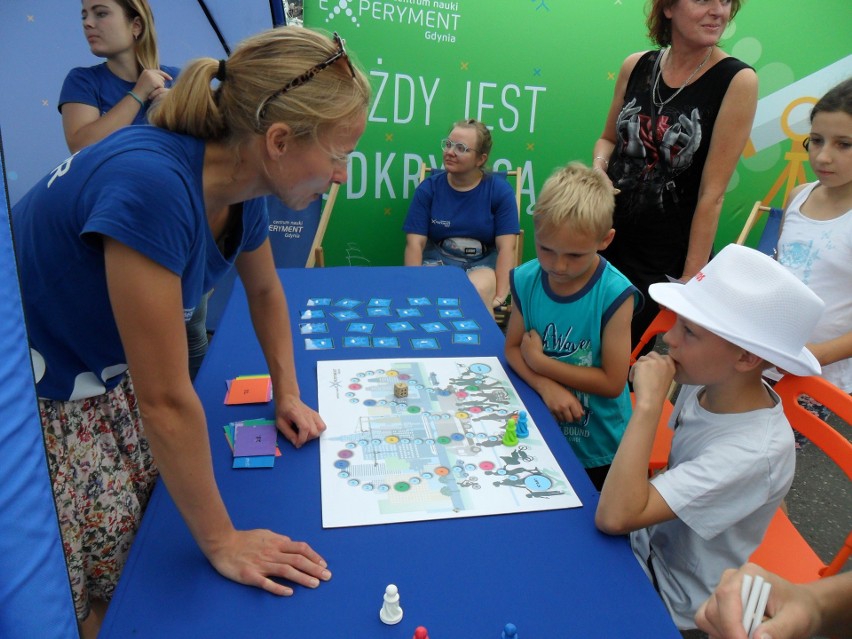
659, 157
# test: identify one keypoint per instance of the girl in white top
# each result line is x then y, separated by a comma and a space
816, 237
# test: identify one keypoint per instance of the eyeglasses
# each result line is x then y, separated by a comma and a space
308, 75
806, 143
459, 148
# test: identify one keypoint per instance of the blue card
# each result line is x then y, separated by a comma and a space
419, 301
396, 327
313, 327
448, 301
350, 341
311, 314
386, 342
319, 301
260, 461
360, 327
409, 312
318, 343
465, 338
450, 312
419, 343
434, 327
347, 302
378, 311
466, 325
344, 316
379, 301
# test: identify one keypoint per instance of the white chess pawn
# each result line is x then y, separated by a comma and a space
391, 611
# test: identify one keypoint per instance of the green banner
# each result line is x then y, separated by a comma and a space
540, 74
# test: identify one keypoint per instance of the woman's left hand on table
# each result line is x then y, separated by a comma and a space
296, 421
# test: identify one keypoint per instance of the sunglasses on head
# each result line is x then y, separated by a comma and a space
308, 75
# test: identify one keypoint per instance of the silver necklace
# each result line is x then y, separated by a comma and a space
655, 91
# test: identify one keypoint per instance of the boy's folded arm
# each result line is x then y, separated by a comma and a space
558, 399
561, 402
514, 351
628, 500
512, 347
608, 379
588, 379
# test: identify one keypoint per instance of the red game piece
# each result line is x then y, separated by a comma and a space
421, 633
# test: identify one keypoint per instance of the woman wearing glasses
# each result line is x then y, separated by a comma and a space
125, 237
679, 120
465, 217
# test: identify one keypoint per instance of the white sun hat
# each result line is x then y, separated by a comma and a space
752, 301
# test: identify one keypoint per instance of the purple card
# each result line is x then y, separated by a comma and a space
254, 440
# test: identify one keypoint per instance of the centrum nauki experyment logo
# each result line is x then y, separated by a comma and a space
339, 8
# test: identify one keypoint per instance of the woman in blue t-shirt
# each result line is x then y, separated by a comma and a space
464, 216
124, 238
95, 101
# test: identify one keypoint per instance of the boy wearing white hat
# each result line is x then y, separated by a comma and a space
733, 455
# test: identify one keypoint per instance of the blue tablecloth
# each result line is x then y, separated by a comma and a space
552, 574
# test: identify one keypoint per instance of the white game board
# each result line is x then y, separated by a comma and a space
437, 453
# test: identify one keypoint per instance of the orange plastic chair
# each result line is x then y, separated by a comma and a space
783, 550
662, 323
664, 320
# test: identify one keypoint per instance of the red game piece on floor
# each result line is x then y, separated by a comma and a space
421, 633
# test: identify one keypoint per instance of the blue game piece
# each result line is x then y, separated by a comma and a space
521, 427
510, 632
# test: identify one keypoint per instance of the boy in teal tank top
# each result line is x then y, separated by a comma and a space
569, 332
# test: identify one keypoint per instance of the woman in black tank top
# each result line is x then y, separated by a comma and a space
679, 120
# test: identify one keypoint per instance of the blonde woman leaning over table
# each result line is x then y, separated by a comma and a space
125, 237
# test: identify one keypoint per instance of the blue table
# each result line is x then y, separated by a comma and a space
550, 573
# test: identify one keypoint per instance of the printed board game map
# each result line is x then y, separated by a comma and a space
431, 438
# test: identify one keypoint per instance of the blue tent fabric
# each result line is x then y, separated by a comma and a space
39, 43
34, 585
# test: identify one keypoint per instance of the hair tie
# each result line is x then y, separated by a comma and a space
220, 73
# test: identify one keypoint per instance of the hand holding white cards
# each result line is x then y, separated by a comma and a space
796, 611
755, 594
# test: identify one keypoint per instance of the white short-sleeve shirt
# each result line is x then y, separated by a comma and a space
727, 475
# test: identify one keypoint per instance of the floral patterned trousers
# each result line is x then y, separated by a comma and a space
102, 473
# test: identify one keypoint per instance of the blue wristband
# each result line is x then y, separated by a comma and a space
136, 97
